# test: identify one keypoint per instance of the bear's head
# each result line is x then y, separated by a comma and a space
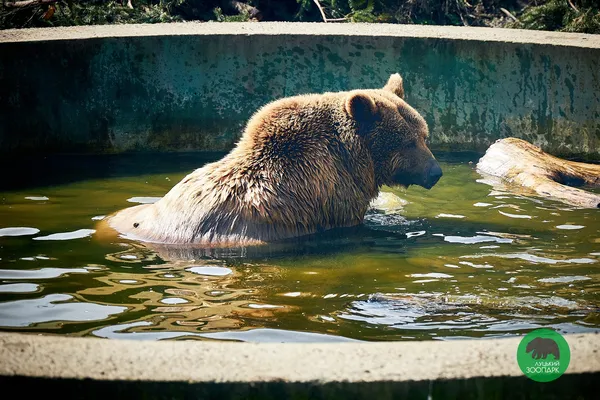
396, 135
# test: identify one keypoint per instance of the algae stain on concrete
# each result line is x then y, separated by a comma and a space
121, 94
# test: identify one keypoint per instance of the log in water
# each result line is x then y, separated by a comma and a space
523, 165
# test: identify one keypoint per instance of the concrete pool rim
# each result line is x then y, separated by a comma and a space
478, 34
89, 360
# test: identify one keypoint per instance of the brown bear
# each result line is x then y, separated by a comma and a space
304, 164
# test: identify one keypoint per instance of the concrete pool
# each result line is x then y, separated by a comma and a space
138, 89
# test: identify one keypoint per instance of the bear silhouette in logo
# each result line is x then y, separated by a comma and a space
541, 347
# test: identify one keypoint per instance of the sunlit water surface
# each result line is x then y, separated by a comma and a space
462, 260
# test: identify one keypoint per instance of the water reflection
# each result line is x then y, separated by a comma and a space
449, 263
532, 258
20, 231
78, 234
44, 273
441, 315
52, 310
188, 297
19, 288
143, 200
476, 239
277, 336
260, 335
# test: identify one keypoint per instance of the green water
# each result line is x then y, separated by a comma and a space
461, 260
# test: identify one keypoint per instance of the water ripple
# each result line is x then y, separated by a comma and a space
21, 313
20, 231
78, 234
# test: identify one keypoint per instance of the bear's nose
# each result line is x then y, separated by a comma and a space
434, 174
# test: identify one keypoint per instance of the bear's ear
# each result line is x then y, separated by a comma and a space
395, 85
361, 107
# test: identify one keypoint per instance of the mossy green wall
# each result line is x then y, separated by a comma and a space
195, 92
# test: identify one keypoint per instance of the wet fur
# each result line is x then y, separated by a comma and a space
304, 164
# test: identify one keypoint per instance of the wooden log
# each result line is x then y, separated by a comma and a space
523, 165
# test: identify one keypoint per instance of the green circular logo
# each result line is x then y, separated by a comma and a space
543, 355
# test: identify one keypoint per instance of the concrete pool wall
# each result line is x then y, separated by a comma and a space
192, 86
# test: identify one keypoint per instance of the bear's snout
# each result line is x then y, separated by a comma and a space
433, 173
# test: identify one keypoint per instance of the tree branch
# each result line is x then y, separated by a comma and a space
508, 14
573, 6
321, 10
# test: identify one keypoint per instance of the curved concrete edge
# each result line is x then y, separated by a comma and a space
303, 28
193, 86
51, 357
